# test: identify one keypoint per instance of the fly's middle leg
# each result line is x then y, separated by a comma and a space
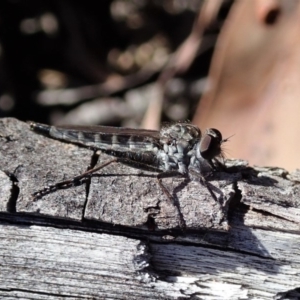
169, 196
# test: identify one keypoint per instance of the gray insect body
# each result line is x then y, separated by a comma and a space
176, 147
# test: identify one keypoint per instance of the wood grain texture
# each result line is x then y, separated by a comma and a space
5, 190
100, 244
70, 263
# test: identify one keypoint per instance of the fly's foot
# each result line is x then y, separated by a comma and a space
47, 190
76, 181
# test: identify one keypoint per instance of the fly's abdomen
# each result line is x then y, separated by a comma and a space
40, 128
72, 136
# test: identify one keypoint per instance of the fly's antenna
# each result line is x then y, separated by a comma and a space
227, 139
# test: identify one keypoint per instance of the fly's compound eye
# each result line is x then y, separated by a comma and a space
215, 133
210, 145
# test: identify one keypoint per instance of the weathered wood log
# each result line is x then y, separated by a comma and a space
122, 238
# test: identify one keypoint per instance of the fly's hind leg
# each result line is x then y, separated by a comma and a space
77, 180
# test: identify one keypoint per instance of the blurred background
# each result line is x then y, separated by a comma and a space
231, 65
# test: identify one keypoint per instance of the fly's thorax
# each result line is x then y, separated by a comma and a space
179, 131
174, 156
177, 141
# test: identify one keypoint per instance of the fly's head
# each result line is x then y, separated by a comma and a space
210, 147
210, 144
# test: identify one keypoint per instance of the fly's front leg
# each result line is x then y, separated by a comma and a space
168, 194
210, 187
204, 182
72, 182
220, 165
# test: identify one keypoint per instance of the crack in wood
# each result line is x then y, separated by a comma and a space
93, 162
15, 190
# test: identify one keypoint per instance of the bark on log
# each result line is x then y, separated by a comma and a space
122, 238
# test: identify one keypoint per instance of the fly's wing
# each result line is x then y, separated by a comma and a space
110, 130
123, 139
104, 137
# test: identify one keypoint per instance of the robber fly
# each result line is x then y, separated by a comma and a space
177, 149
